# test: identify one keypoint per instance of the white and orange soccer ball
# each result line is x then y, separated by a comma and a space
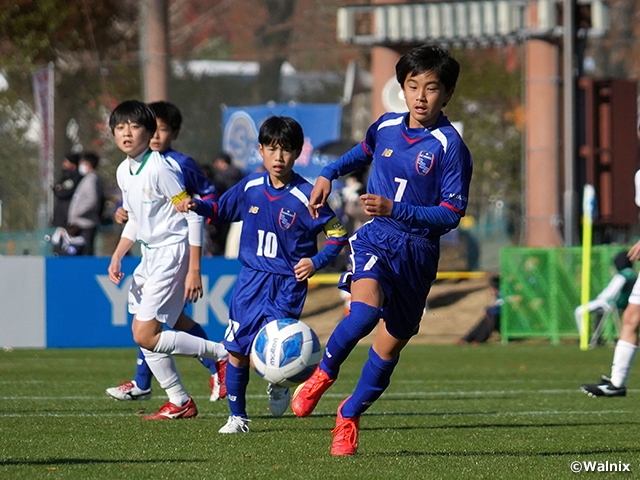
285, 352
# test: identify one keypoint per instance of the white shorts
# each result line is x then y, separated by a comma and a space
157, 290
634, 297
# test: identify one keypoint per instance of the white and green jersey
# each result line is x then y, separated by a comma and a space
151, 185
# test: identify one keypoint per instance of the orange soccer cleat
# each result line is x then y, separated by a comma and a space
308, 394
345, 435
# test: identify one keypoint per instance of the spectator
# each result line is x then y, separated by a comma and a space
225, 176
64, 189
85, 210
490, 321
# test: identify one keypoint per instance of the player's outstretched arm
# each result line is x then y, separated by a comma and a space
319, 195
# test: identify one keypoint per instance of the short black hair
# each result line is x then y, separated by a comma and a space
133, 111
282, 131
92, 158
73, 157
168, 113
225, 157
429, 58
494, 282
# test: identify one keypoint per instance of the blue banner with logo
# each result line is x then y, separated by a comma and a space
84, 309
320, 123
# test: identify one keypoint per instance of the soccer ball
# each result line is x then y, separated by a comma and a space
285, 352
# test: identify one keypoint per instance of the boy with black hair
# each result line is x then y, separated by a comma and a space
151, 185
169, 122
278, 252
417, 191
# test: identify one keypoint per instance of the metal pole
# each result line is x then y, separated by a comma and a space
569, 102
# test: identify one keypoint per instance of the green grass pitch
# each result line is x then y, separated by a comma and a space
451, 412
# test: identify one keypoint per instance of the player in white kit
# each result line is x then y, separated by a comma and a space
151, 185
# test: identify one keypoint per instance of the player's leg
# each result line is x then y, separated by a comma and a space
137, 389
163, 367
217, 369
237, 380
367, 297
624, 353
374, 380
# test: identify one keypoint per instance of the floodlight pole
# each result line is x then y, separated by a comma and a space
569, 103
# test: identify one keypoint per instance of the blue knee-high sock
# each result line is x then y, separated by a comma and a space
375, 378
237, 380
198, 331
361, 320
143, 372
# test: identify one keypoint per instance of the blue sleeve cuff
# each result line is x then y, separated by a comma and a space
328, 254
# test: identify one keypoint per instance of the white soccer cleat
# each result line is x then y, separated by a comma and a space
129, 391
279, 398
235, 425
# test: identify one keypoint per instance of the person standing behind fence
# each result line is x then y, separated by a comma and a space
85, 210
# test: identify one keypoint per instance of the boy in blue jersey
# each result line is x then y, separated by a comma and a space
417, 191
278, 252
169, 122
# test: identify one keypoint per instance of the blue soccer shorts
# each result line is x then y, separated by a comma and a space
404, 265
259, 297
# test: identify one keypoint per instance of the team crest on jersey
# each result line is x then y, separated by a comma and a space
424, 162
286, 218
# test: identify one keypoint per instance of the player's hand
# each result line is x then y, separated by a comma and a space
185, 205
193, 286
115, 275
634, 253
121, 215
319, 195
376, 206
304, 269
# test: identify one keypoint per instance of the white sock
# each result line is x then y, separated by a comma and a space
181, 343
164, 369
622, 360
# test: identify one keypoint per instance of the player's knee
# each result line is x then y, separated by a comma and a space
362, 318
145, 338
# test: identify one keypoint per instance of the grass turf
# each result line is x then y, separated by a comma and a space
451, 412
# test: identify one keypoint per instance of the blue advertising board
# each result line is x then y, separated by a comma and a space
84, 309
320, 123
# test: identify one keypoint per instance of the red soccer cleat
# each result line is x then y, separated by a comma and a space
345, 435
308, 394
221, 367
169, 411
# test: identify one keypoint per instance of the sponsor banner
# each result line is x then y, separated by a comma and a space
320, 123
84, 309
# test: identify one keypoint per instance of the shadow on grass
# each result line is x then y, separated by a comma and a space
494, 453
93, 461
